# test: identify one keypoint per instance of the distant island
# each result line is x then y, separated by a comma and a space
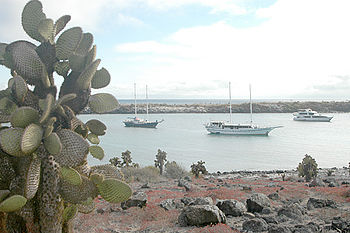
261, 107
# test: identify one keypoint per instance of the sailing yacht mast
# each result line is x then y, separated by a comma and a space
135, 99
146, 102
229, 87
251, 106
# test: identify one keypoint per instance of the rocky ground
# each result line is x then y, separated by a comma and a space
276, 201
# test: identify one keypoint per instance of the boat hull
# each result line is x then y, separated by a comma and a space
254, 131
141, 125
323, 119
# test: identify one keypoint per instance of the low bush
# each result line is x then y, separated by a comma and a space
308, 168
141, 174
198, 168
160, 160
175, 171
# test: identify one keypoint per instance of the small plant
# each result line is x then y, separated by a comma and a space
126, 157
283, 175
160, 160
199, 168
116, 162
308, 168
174, 171
125, 162
330, 172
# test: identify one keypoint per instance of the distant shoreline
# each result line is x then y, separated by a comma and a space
261, 107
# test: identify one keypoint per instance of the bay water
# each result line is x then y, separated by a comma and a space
186, 141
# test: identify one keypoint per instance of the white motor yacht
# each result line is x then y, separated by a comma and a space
309, 115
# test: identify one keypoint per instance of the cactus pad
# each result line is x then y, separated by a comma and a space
108, 171
83, 169
96, 127
31, 138
10, 141
101, 79
84, 79
69, 213
13, 203
96, 178
114, 191
87, 206
61, 23
32, 178
45, 29
48, 130
77, 62
68, 42
76, 194
71, 175
62, 68
46, 107
53, 144
74, 148
20, 88
91, 55
26, 61
2, 51
93, 138
66, 98
97, 152
7, 106
103, 103
32, 14
24, 116
85, 44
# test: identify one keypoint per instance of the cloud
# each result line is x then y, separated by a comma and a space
227, 6
336, 88
123, 19
301, 43
90, 14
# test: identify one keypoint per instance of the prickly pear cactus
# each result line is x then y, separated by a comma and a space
44, 176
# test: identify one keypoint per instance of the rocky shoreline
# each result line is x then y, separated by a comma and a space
264, 107
239, 201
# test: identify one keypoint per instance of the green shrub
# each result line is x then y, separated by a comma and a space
174, 171
330, 172
125, 162
116, 162
307, 168
144, 174
198, 168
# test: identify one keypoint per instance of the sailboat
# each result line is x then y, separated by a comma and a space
138, 122
222, 127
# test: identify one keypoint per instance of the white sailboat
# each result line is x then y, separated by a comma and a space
138, 122
222, 127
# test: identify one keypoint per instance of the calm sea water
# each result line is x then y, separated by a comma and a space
186, 141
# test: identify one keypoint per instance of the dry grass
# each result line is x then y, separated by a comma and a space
175, 171
144, 174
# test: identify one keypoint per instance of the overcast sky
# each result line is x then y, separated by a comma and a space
193, 48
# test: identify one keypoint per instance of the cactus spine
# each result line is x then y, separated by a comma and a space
44, 176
